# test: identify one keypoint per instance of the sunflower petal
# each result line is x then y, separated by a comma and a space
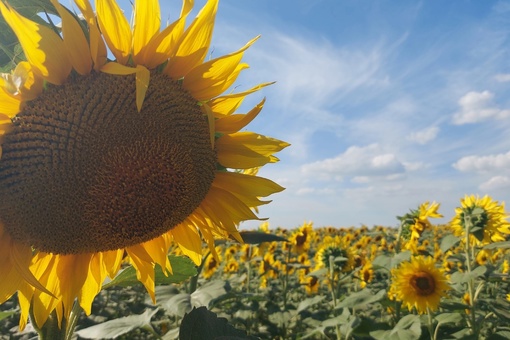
74, 40
144, 268
236, 122
43, 48
228, 104
147, 23
97, 46
213, 77
188, 239
244, 150
115, 29
96, 274
194, 45
157, 249
9, 104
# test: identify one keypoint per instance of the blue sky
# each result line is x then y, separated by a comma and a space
387, 104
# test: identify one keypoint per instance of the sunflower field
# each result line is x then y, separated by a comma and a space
417, 281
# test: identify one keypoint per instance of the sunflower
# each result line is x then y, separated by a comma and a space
102, 158
419, 284
366, 274
335, 251
486, 219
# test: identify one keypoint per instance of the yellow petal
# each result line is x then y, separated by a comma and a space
97, 46
211, 78
246, 187
244, 150
43, 48
234, 123
71, 286
165, 43
144, 268
147, 23
115, 29
195, 43
228, 104
29, 85
9, 105
188, 239
74, 41
157, 249
112, 261
96, 274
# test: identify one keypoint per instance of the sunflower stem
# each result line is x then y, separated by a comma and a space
430, 325
73, 320
51, 330
467, 225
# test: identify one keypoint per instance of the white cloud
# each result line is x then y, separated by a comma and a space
424, 136
357, 162
495, 183
502, 77
483, 163
477, 107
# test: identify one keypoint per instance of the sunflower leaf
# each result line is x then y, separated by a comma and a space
309, 302
182, 267
256, 237
448, 241
6, 314
117, 327
201, 323
361, 298
498, 245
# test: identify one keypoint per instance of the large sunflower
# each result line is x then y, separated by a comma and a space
419, 284
105, 158
487, 219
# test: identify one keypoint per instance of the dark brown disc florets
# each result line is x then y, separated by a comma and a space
82, 171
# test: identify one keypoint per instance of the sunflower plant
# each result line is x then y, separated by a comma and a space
117, 141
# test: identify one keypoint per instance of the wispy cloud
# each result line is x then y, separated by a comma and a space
424, 136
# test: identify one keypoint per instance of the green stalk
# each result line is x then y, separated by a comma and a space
467, 225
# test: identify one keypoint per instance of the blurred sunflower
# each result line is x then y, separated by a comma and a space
335, 251
416, 222
301, 238
366, 274
419, 284
101, 158
486, 219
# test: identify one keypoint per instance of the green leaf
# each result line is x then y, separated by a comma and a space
408, 328
459, 277
182, 267
180, 304
448, 318
361, 298
448, 241
117, 327
309, 302
498, 245
6, 314
201, 323
256, 237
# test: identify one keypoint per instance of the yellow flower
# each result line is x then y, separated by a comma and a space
104, 157
366, 274
487, 220
335, 251
419, 284
301, 238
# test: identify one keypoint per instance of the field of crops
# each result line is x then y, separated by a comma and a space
418, 281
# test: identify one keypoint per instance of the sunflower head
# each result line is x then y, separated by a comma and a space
120, 138
419, 284
484, 219
335, 255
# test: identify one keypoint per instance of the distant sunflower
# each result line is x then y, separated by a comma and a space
487, 220
101, 158
335, 251
419, 284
